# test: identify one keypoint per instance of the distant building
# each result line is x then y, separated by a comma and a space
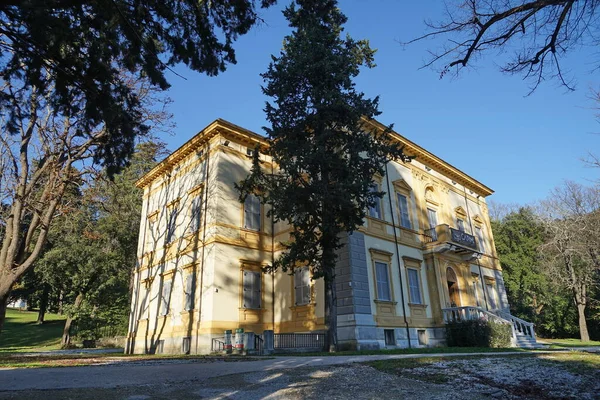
425, 254
18, 303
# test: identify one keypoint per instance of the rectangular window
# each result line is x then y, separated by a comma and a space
480, 238
383, 281
491, 292
390, 339
476, 292
171, 225
432, 218
189, 292
404, 213
422, 337
460, 224
164, 299
160, 347
185, 345
302, 286
414, 286
375, 210
252, 213
251, 289
196, 213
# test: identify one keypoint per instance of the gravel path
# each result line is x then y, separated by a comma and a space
134, 373
488, 376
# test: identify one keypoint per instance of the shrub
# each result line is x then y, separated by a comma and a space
478, 333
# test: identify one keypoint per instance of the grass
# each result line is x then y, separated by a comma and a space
425, 350
21, 333
16, 360
569, 342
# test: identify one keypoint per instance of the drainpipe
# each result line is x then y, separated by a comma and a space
387, 180
272, 260
205, 214
478, 263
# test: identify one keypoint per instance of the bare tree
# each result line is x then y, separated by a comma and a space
498, 211
571, 216
538, 32
41, 153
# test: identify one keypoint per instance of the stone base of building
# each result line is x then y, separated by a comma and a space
196, 344
379, 338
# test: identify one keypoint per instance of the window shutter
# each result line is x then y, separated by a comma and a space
306, 285
404, 214
247, 288
298, 286
415, 287
256, 285
189, 292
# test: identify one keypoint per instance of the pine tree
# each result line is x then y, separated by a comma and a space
325, 156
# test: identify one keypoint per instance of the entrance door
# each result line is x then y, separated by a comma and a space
453, 289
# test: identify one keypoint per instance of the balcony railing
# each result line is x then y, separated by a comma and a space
445, 234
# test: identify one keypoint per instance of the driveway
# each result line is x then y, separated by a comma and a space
136, 373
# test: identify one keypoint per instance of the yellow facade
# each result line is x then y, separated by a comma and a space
199, 264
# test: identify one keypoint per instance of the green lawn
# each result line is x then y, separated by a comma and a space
420, 350
569, 342
21, 333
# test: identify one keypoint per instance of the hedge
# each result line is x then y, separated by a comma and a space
478, 333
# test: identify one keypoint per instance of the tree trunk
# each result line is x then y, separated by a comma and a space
66, 337
3, 304
331, 311
583, 329
43, 305
60, 303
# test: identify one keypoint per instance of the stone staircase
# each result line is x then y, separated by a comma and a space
523, 331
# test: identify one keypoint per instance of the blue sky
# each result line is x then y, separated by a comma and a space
481, 122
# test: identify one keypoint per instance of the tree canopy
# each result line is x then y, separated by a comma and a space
74, 54
326, 156
538, 33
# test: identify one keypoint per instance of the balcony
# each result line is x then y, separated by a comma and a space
451, 239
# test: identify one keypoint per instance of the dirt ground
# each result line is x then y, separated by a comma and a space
481, 378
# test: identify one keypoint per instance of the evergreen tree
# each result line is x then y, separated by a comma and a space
325, 156
532, 295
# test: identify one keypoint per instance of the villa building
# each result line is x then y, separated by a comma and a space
425, 254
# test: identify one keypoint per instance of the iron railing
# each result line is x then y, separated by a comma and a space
258, 344
217, 344
300, 340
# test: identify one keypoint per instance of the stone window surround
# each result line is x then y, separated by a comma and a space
416, 264
401, 187
377, 181
252, 266
243, 218
311, 302
385, 257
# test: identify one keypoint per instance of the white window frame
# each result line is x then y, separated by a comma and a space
171, 224
165, 297
383, 285
490, 287
404, 210
251, 289
376, 211
302, 286
196, 213
480, 238
252, 213
189, 292
415, 292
